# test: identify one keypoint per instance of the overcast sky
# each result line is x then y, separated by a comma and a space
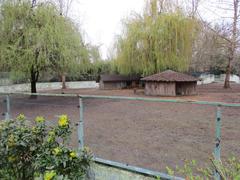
101, 19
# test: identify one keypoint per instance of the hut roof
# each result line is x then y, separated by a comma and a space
118, 78
170, 76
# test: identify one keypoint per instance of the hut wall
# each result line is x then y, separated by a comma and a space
186, 88
112, 85
160, 88
132, 84
101, 84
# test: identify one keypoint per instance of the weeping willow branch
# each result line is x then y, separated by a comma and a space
153, 42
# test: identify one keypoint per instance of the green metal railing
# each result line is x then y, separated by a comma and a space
81, 98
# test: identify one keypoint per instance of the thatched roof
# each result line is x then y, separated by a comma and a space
118, 78
170, 76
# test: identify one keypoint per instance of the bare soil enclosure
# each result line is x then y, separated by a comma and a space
147, 134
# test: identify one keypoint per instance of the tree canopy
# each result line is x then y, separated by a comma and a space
34, 39
155, 40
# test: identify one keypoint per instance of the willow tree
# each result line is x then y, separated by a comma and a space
155, 40
36, 39
63, 6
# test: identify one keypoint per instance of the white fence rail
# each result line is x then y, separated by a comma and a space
206, 79
210, 78
48, 86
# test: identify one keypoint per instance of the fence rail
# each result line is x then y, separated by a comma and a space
211, 103
218, 105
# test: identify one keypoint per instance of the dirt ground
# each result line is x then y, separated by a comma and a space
146, 134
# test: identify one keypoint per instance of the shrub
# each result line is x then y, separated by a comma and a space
227, 170
18, 77
39, 152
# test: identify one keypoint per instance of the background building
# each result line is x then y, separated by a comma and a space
118, 81
170, 83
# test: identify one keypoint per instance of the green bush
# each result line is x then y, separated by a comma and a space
191, 171
18, 77
39, 152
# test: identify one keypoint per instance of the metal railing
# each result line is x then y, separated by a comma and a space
218, 105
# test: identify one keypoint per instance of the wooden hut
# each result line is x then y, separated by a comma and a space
170, 83
115, 81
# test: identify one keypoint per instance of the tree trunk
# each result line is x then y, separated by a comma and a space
228, 73
33, 87
63, 81
34, 79
233, 41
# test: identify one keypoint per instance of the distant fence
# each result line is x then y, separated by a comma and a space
210, 78
5, 79
233, 78
206, 79
48, 86
120, 169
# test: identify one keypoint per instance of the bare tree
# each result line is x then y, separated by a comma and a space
229, 31
194, 7
64, 6
34, 3
209, 52
232, 42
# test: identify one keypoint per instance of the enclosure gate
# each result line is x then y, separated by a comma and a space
217, 149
